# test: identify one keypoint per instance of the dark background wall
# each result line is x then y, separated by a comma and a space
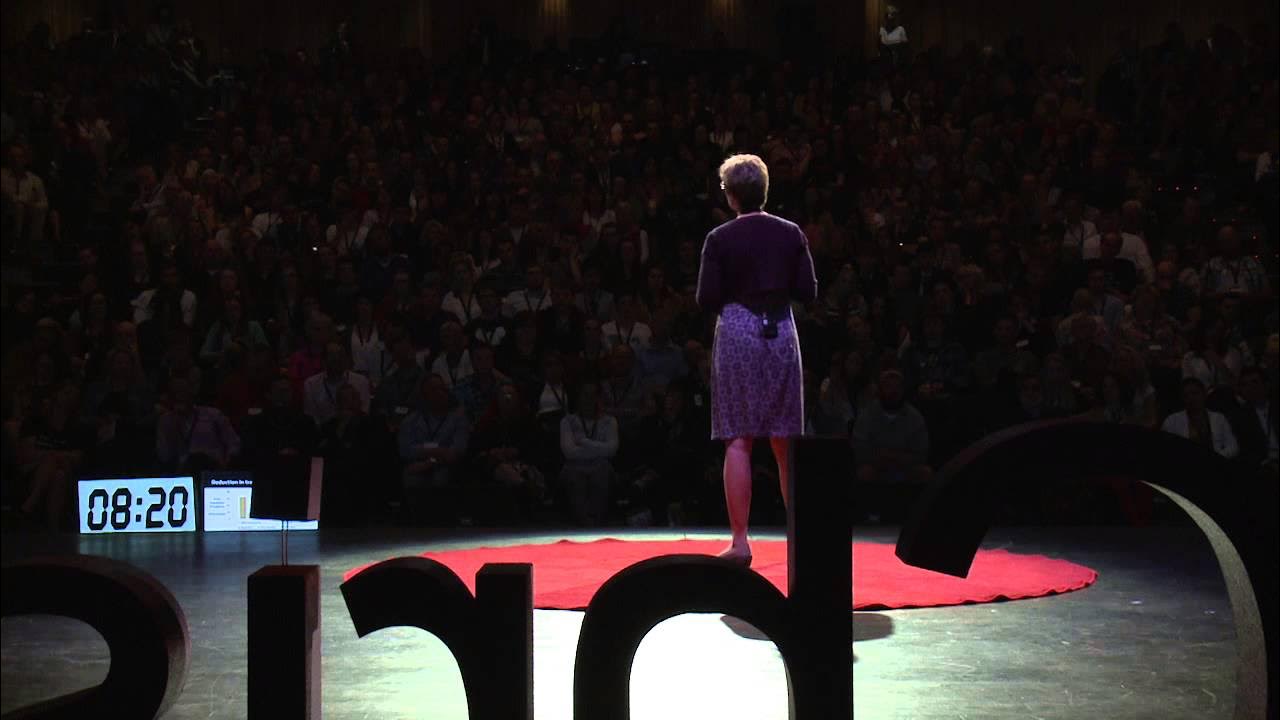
1093, 29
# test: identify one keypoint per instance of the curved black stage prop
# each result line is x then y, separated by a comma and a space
143, 625
1237, 514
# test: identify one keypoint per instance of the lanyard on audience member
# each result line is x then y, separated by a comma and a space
559, 398
329, 391
432, 432
191, 429
591, 434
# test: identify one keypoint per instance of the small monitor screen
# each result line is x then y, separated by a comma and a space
225, 501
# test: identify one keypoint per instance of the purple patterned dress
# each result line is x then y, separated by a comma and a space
757, 387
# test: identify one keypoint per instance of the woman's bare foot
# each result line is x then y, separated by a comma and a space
737, 554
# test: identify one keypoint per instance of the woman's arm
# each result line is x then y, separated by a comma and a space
710, 294
804, 286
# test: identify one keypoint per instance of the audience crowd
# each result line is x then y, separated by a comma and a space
469, 286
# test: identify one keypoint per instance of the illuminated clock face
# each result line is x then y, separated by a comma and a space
137, 505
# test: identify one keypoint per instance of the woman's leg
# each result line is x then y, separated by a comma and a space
737, 493
782, 453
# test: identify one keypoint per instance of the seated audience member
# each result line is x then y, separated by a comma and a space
1200, 425
505, 446
625, 395
168, 303
310, 359
1120, 275
1138, 327
51, 443
560, 326
674, 444
588, 441
627, 329
191, 438
278, 429
890, 440
593, 300
532, 298
1234, 271
398, 393
662, 362
232, 327
1007, 359
320, 391
1061, 393
453, 364
429, 318
476, 393
122, 408
1132, 248
591, 363
1211, 358
353, 446
1252, 412
461, 300
432, 443
491, 327
844, 394
934, 367
370, 356
552, 403
521, 358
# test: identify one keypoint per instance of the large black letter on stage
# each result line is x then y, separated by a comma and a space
1237, 515
813, 627
490, 635
284, 642
141, 621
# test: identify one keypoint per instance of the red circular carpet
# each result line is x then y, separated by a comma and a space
567, 573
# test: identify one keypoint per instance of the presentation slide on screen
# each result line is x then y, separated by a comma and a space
226, 500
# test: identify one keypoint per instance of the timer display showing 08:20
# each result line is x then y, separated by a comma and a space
137, 505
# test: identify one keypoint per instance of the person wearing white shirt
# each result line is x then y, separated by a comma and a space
588, 441
369, 355
24, 203
462, 300
348, 236
626, 330
533, 298
147, 304
1199, 424
320, 391
893, 37
553, 400
1077, 228
1133, 248
594, 301
453, 364
266, 225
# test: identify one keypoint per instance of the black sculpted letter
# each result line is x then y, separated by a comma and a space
139, 618
284, 642
1236, 515
490, 635
813, 627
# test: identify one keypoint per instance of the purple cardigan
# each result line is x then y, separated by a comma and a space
753, 256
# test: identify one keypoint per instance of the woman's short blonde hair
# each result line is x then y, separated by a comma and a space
746, 178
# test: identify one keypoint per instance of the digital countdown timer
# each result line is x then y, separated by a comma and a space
137, 505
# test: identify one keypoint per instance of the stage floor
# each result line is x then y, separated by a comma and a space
1153, 638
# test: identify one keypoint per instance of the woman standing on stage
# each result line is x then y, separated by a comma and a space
752, 268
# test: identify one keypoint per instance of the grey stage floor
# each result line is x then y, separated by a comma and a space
1152, 639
